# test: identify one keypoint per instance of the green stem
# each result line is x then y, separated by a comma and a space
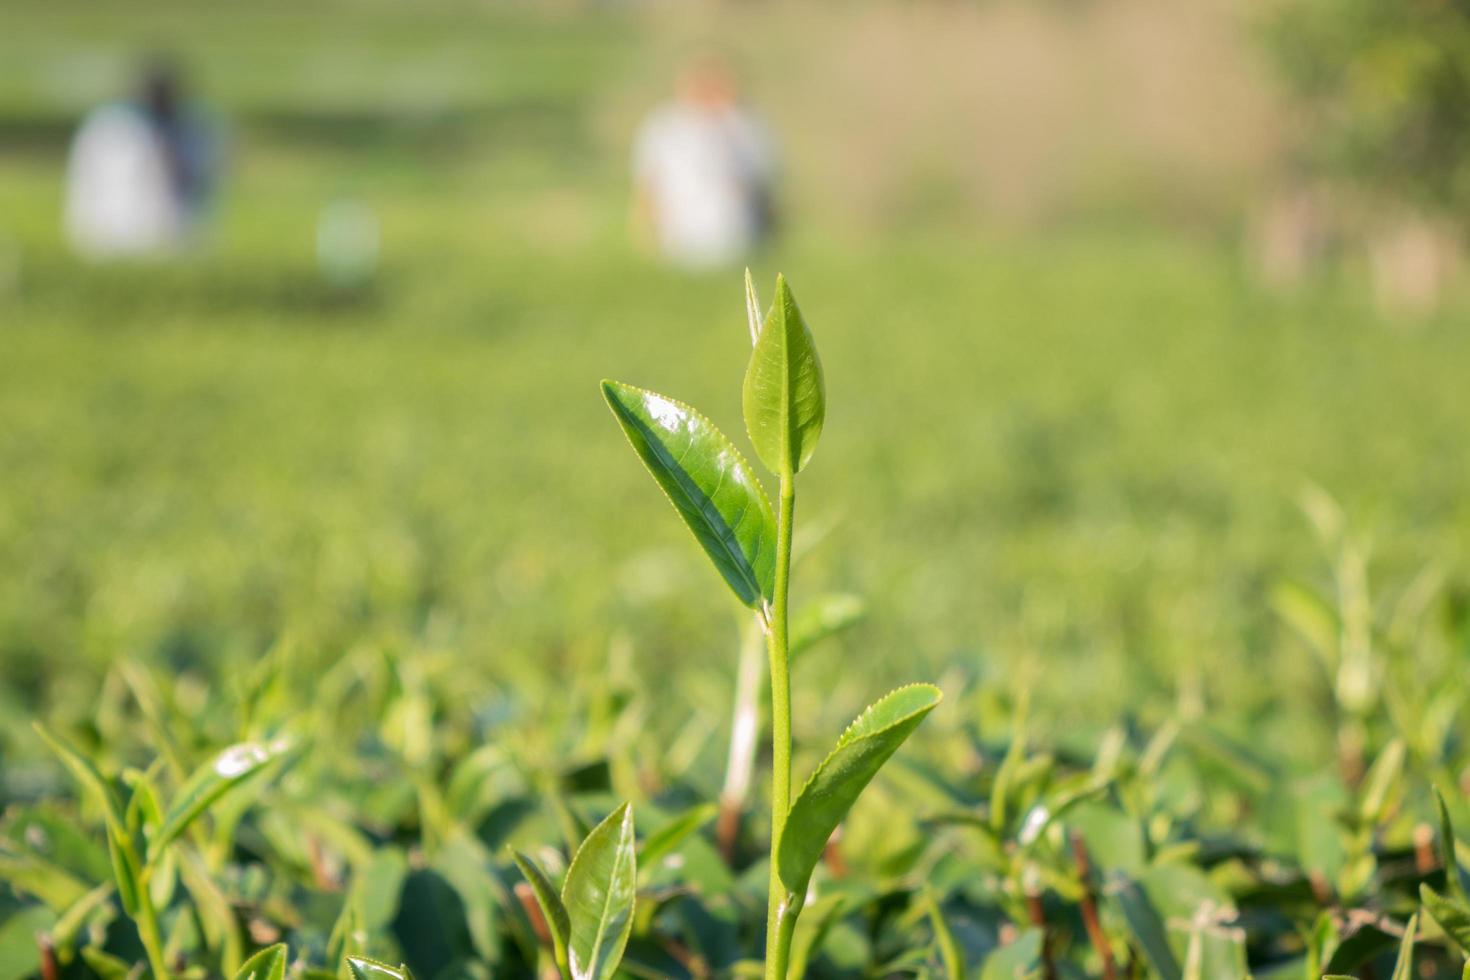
148, 932
780, 919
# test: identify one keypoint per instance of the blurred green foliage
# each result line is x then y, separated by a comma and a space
1386, 93
237, 502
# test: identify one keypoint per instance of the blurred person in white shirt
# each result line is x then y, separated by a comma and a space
141, 173
704, 166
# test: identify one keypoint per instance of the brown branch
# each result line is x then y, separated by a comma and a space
1090, 918
727, 829
1038, 919
49, 970
1424, 859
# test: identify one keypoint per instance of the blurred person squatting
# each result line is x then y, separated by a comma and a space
142, 173
704, 168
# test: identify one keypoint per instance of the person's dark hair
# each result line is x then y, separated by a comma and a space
161, 87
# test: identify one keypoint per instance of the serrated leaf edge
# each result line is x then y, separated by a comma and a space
739, 457
623, 812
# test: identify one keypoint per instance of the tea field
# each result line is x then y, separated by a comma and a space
1186, 557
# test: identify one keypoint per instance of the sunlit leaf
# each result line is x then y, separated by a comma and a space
709, 483
834, 786
362, 968
1451, 915
784, 397
1403, 969
599, 894
91, 778
233, 767
268, 964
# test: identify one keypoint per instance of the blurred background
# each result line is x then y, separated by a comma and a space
1141, 320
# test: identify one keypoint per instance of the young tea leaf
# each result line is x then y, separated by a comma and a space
268, 964
1404, 968
708, 482
231, 768
363, 968
91, 778
1451, 915
834, 786
552, 908
784, 397
598, 894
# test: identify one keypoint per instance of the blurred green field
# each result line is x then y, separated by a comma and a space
1062, 464
1071, 455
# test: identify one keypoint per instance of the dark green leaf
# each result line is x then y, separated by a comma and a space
708, 482
598, 894
1452, 916
834, 786
1457, 882
366, 969
784, 397
1358, 947
552, 908
268, 964
231, 768
1146, 927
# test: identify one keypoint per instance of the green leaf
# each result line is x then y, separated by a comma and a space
363, 968
709, 483
1019, 958
834, 786
949, 948
18, 941
230, 769
126, 874
1358, 947
1457, 883
599, 894
667, 838
552, 908
1452, 916
784, 398
85, 772
1146, 926
1404, 968
1381, 783
54, 886
268, 964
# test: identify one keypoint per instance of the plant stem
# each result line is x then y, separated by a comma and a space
148, 932
780, 919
